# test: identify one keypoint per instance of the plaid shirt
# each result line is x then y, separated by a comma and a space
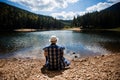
55, 59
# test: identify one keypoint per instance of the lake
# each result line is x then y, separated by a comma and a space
83, 43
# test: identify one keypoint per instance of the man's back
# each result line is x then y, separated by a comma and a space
55, 57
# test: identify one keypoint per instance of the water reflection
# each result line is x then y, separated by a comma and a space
109, 46
85, 43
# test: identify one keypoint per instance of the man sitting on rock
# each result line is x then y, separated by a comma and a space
54, 56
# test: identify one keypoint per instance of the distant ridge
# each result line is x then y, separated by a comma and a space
12, 17
106, 19
115, 7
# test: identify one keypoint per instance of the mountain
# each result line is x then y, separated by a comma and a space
115, 7
15, 18
66, 22
105, 19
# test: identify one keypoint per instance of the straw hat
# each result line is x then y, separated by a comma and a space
53, 39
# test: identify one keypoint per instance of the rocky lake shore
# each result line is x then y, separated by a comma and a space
104, 67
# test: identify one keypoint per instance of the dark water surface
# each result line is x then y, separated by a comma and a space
84, 43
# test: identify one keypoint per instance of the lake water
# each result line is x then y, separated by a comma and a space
83, 43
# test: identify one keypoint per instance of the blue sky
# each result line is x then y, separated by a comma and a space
61, 9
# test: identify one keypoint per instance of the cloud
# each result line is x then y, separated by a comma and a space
114, 1
72, 1
44, 5
98, 7
101, 5
69, 15
50, 5
66, 15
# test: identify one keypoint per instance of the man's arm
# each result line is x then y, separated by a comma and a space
62, 51
46, 54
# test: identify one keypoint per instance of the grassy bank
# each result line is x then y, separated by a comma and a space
114, 29
78, 29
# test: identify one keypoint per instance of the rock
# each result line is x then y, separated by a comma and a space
73, 52
76, 56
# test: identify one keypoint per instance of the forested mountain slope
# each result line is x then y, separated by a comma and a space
15, 18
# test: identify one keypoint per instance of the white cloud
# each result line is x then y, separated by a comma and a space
72, 1
50, 5
69, 15
44, 5
98, 7
114, 1
101, 5
66, 15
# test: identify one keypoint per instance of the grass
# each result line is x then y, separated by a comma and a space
115, 29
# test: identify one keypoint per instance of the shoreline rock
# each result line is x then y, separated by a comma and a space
99, 67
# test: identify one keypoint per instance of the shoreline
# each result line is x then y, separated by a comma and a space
73, 29
97, 67
25, 30
34, 30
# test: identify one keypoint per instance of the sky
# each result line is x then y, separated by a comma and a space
61, 9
